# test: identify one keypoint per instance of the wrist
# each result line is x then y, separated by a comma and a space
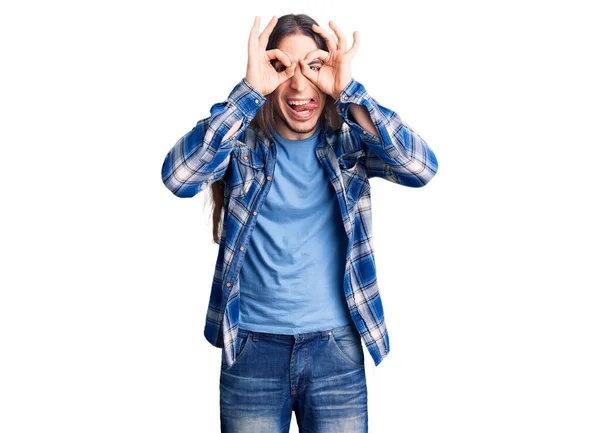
253, 85
247, 99
352, 93
336, 94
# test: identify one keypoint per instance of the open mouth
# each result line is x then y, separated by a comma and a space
302, 108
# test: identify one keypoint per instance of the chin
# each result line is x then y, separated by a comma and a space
302, 126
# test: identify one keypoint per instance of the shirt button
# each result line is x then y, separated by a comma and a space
254, 213
364, 132
245, 158
268, 177
242, 248
256, 101
345, 98
228, 284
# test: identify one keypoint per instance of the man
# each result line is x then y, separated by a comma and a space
289, 155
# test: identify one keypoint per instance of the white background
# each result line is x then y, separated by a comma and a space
488, 275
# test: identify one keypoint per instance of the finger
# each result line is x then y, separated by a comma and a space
354, 48
317, 55
276, 54
329, 39
308, 72
340, 36
263, 39
288, 73
253, 33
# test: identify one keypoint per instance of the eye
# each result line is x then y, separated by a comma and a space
280, 68
315, 68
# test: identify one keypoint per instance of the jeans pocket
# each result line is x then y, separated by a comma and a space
348, 345
240, 348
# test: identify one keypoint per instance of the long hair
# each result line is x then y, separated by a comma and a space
264, 120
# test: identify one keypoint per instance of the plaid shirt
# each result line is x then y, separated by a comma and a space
246, 162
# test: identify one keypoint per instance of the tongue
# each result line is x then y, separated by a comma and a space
310, 106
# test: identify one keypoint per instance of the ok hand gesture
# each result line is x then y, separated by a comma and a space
334, 74
260, 73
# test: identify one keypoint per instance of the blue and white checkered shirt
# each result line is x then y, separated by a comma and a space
246, 162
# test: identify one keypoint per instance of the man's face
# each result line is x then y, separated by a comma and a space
294, 118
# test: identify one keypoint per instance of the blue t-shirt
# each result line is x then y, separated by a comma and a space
291, 280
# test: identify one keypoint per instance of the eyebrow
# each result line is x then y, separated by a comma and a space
314, 62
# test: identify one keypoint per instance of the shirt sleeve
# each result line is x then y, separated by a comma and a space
398, 154
201, 156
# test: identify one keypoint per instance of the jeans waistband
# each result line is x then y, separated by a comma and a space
291, 338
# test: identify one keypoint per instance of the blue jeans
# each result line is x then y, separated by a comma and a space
318, 375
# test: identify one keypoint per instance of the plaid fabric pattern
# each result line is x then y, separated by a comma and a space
246, 163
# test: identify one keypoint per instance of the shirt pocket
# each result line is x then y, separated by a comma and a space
349, 160
354, 174
245, 165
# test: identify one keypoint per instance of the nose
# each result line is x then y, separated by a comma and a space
298, 80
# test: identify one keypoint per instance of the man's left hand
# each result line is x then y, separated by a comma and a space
331, 73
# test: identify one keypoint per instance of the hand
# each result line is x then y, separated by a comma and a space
334, 75
260, 73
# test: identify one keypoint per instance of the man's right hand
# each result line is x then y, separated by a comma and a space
260, 74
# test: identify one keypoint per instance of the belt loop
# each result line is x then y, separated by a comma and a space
254, 336
325, 335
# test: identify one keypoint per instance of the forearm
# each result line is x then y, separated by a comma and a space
235, 128
361, 116
401, 154
202, 155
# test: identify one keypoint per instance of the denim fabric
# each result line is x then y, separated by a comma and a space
318, 375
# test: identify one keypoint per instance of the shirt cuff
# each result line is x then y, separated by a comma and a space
353, 93
246, 98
